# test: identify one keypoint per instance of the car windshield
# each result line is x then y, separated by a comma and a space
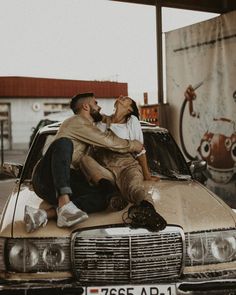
38, 149
164, 157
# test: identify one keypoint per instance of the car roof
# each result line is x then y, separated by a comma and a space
145, 126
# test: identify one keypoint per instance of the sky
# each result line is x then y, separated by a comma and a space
86, 40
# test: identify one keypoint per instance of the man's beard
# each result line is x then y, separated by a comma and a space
97, 117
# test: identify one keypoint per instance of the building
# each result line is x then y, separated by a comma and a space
24, 101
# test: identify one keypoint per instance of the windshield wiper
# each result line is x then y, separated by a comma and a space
179, 176
171, 174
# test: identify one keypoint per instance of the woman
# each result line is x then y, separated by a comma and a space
124, 122
128, 171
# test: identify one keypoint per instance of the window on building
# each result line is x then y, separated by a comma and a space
51, 108
5, 124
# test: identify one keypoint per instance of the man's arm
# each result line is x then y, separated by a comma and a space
92, 135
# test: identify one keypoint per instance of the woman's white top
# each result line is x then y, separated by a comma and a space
129, 130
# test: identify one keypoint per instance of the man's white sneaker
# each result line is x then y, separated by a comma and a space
34, 218
69, 215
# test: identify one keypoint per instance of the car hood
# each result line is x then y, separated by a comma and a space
185, 203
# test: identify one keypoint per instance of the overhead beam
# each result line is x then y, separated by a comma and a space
151, 2
215, 6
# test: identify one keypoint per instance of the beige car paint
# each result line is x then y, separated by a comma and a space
184, 203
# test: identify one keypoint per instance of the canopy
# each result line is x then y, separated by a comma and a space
214, 6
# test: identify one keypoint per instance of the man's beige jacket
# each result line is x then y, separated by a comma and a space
84, 133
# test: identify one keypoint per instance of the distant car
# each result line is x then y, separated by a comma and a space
194, 254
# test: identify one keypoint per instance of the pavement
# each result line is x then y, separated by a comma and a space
6, 183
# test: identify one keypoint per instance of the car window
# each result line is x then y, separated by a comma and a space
48, 140
163, 155
38, 149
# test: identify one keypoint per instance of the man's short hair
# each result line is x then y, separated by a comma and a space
79, 98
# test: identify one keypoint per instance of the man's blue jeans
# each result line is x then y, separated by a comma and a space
54, 177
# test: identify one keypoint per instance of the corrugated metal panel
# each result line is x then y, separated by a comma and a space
58, 88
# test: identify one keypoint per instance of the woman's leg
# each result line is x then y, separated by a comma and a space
104, 181
85, 196
93, 171
139, 192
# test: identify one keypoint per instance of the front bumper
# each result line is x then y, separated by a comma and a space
207, 287
42, 287
218, 287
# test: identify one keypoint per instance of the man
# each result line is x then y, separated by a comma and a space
52, 175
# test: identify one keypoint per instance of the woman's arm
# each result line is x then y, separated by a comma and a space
136, 131
142, 159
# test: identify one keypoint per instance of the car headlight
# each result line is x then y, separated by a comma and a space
38, 255
223, 248
197, 250
53, 255
210, 247
23, 256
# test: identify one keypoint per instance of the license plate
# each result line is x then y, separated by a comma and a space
132, 290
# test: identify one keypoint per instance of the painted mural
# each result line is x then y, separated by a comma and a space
203, 55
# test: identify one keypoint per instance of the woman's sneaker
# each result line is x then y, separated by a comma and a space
69, 215
34, 218
144, 215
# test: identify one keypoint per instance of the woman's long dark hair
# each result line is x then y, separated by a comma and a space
135, 111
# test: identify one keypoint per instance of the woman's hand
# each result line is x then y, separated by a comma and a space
149, 177
155, 178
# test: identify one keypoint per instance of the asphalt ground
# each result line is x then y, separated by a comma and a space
6, 184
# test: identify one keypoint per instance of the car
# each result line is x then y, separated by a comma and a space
47, 120
194, 254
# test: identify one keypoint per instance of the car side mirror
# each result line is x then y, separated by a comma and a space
197, 166
12, 170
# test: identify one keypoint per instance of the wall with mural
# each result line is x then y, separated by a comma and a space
203, 55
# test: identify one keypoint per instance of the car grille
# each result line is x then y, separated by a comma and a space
122, 255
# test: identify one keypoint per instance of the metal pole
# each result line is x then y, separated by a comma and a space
2, 152
159, 53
